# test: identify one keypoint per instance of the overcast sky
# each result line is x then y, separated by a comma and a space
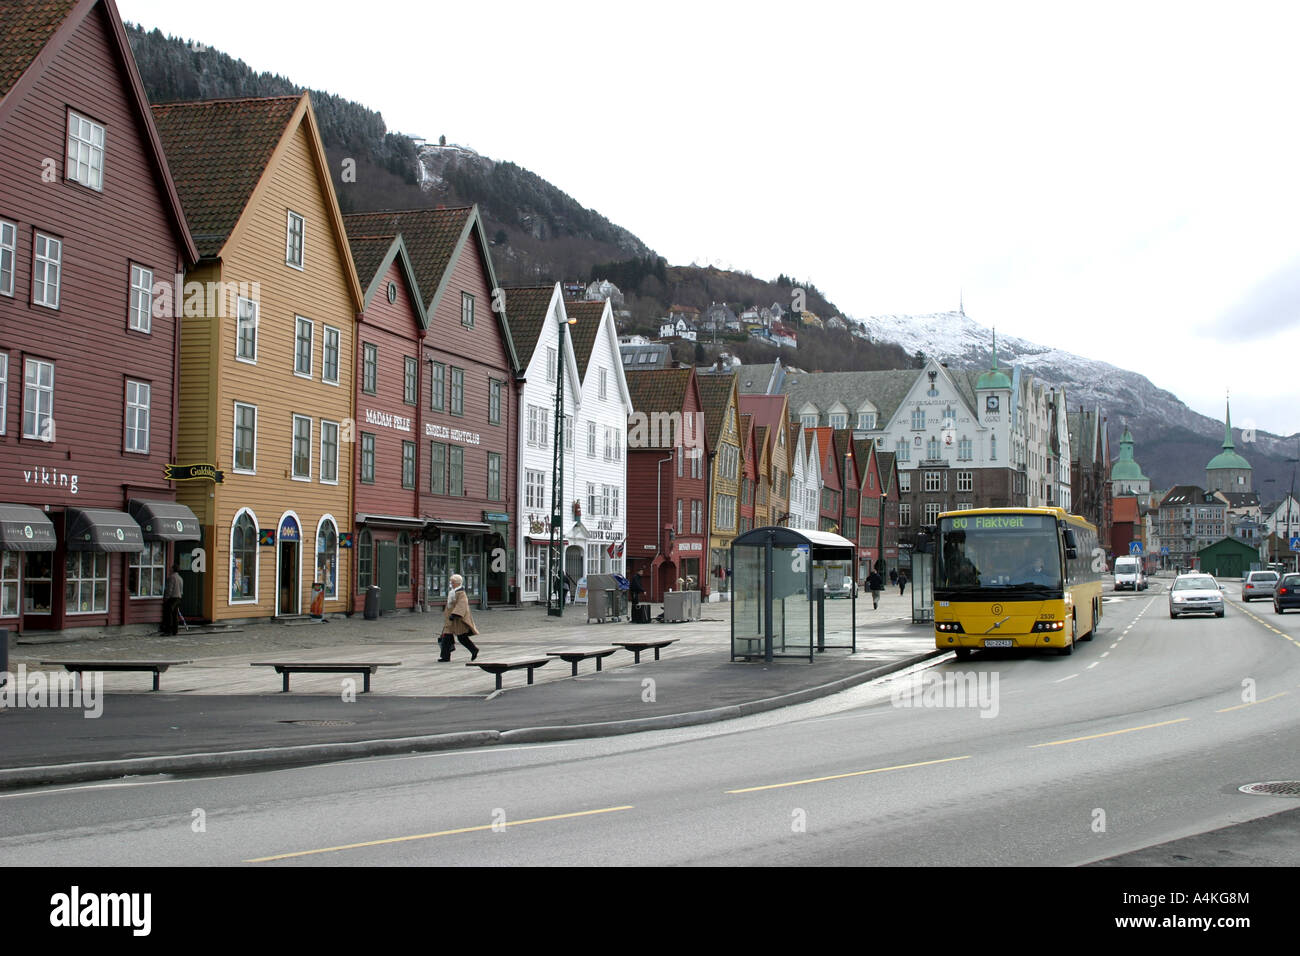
1118, 180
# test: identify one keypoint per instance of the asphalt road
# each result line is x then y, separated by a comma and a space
1143, 736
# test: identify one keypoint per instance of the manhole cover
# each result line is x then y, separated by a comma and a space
1274, 788
320, 723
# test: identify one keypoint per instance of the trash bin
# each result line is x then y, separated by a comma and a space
641, 614
372, 603
4, 656
317, 600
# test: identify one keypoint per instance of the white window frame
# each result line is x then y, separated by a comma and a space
234, 441
326, 424
904, 514
604, 383
289, 250
932, 511
839, 420
293, 449
467, 309
329, 332
246, 315
8, 256
47, 416
298, 323
965, 481
534, 488
257, 557
85, 152
153, 561
552, 363
4, 391
134, 412
591, 441
140, 300
933, 481
47, 264
320, 527
82, 582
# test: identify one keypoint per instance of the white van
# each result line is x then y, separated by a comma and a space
1129, 575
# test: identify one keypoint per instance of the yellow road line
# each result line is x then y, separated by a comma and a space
440, 833
1260, 620
842, 776
1110, 733
1252, 703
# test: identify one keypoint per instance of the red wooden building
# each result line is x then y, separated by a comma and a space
469, 381
749, 457
90, 223
667, 465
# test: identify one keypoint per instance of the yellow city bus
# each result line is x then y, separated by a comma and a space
1015, 578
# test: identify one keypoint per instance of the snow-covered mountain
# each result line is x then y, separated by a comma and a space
1173, 443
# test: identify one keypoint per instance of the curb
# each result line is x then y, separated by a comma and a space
309, 754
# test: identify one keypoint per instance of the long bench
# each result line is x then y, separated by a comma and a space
77, 667
636, 647
575, 654
285, 668
511, 664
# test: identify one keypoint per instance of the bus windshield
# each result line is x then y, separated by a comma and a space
979, 552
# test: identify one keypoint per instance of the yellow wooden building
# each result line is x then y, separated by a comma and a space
267, 358
719, 395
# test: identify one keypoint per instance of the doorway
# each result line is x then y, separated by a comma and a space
386, 574
289, 578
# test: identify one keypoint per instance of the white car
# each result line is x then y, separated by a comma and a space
1195, 594
1129, 575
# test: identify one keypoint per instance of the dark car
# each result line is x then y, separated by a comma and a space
1287, 593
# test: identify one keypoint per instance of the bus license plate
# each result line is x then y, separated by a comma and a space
992, 643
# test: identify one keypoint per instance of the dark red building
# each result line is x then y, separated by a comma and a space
667, 465
469, 445
749, 455
90, 225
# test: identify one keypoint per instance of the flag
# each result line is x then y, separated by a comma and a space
620, 550
610, 550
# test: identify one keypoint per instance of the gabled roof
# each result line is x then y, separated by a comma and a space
715, 393
435, 239
33, 33
529, 308
885, 467
372, 256
219, 151
659, 389
584, 330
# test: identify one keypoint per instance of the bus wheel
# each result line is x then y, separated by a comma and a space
963, 653
1068, 649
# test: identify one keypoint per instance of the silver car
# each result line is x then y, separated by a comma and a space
1195, 594
1259, 584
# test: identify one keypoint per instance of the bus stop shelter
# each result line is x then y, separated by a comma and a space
793, 594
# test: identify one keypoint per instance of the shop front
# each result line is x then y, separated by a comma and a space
459, 547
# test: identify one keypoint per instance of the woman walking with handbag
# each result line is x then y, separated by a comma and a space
457, 622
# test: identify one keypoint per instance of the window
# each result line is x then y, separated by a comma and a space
86, 582
246, 331
903, 450
552, 361
301, 448
839, 420
369, 369
904, 481
866, 420
243, 560
38, 400
365, 559
327, 557
593, 503
47, 264
4, 395
494, 476
532, 561
437, 468
329, 369
137, 417
607, 501
438, 387
918, 419
904, 514
697, 517
367, 458
246, 438
591, 442
408, 464
950, 417
456, 471
614, 496
140, 300
534, 489
569, 428
933, 481
604, 383
537, 426
302, 348
932, 449
609, 443
932, 510
965, 451
808, 421
329, 452
85, 152
457, 391
495, 389
146, 570
410, 380
403, 562
9, 583
294, 241
681, 454
965, 480
993, 448
467, 310
678, 526
8, 250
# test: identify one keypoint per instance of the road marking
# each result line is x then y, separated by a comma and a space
1092, 665
1260, 620
1115, 645
1110, 733
1071, 677
440, 833
1253, 703
1105, 653
842, 776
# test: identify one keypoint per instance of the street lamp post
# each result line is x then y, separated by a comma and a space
880, 538
555, 546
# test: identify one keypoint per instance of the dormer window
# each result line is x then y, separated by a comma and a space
293, 248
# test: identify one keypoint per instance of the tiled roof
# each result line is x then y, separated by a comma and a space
658, 390
369, 252
528, 308
584, 330
884, 389
1183, 495
1125, 510
25, 27
715, 393
218, 151
431, 237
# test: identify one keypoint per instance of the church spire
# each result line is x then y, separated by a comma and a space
1227, 425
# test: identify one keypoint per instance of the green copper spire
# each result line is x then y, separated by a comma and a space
1228, 458
1126, 469
994, 377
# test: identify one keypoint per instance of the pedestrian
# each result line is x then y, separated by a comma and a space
457, 622
172, 601
876, 584
902, 581
893, 576
635, 589
570, 587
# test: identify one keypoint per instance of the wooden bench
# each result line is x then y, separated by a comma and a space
77, 667
636, 647
285, 668
511, 664
575, 654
